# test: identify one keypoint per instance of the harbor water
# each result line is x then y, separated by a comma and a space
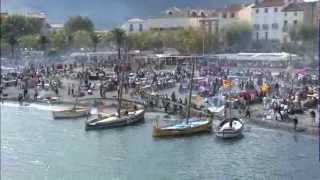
36, 147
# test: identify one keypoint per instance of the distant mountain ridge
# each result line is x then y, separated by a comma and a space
106, 13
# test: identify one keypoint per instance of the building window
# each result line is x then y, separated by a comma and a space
131, 27
265, 27
295, 22
140, 27
232, 15
266, 10
257, 36
194, 14
266, 35
256, 26
224, 15
275, 9
285, 14
275, 26
285, 26
295, 14
257, 11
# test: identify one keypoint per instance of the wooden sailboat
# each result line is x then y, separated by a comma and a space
74, 112
124, 117
188, 126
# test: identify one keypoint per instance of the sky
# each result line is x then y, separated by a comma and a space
105, 13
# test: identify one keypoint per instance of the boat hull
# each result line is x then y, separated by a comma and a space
123, 121
161, 132
71, 113
226, 132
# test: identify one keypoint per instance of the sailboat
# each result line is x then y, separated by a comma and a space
231, 127
188, 126
74, 112
125, 117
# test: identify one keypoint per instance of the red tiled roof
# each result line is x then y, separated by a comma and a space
293, 7
269, 3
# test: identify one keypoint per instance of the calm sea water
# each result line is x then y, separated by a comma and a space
33, 146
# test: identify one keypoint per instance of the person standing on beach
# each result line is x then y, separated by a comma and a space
295, 122
248, 113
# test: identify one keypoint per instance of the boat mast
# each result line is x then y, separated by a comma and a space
190, 92
121, 73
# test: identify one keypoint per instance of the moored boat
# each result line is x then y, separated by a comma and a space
183, 128
112, 121
230, 128
188, 125
75, 112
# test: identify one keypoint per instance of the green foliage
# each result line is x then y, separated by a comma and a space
189, 40
19, 26
57, 39
307, 33
82, 39
29, 41
118, 36
15, 26
78, 23
237, 34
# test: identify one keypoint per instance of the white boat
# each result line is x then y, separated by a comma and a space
71, 113
230, 128
113, 120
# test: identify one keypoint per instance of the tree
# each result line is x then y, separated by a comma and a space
14, 27
28, 41
43, 41
118, 36
57, 39
81, 39
12, 40
307, 33
236, 35
95, 39
78, 23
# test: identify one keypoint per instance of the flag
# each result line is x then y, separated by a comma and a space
264, 87
226, 83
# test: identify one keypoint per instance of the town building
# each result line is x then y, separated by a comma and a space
134, 25
293, 16
233, 14
272, 20
56, 27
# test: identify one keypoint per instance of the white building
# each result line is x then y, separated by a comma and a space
293, 15
134, 25
272, 19
56, 27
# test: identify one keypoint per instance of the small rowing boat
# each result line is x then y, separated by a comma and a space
74, 112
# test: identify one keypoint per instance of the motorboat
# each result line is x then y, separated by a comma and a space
74, 112
113, 120
230, 128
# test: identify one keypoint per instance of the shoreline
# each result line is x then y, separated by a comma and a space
271, 124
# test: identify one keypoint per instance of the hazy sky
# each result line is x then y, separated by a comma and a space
105, 13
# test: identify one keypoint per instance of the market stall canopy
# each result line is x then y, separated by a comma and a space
282, 56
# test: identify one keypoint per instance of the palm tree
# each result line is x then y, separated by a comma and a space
12, 42
95, 40
43, 41
118, 36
